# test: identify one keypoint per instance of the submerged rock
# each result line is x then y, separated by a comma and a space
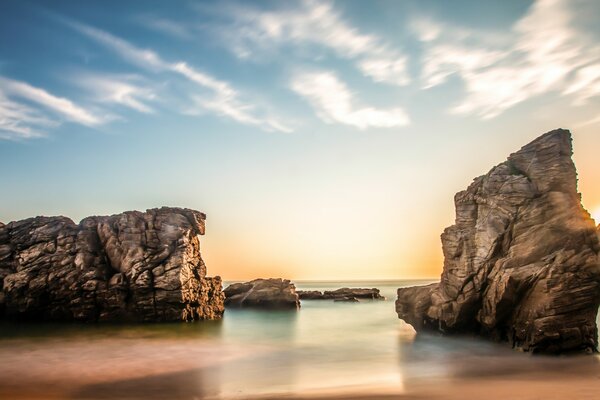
132, 266
359, 293
348, 299
272, 293
521, 262
310, 295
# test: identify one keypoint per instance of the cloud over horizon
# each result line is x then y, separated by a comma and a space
542, 53
226, 100
248, 64
18, 120
334, 102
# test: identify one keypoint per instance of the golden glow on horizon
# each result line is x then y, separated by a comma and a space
363, 235
596, 214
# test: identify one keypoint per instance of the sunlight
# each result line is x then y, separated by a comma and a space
596, 214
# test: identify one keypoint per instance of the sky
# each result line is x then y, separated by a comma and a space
324, 140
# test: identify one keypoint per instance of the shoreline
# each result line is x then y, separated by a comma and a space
522, 388
33, 376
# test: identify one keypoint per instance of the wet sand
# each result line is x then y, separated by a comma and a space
184, 369
185, 386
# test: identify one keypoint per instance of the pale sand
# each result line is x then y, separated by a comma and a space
184, 385
487, 389
183, 369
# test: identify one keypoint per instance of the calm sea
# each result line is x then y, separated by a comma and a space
323, 347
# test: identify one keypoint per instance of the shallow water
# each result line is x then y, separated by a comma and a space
324, 346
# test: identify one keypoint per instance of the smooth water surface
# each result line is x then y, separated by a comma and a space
322, 347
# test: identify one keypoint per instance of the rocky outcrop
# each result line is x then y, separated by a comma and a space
262, 293
521, 262
343, 293
132, 266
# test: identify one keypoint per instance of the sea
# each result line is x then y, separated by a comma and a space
325, 347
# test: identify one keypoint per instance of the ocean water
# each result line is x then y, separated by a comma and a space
324, 347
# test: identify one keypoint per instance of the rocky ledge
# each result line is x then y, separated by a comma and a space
521, 262
341, 294
132, 266
272, 293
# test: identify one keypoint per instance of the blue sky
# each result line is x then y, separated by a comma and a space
321, 138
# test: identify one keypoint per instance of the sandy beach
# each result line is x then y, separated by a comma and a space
549, 387
192, 368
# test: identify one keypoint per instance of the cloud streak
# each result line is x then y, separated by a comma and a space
19, 120
319, 24
122, 90
334, 103
225, 100
546, 54
163, 25
59, 105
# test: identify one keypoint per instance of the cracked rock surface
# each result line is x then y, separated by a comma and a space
134, 266
521, 262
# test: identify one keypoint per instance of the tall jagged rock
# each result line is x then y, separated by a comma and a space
521, 262
132, 266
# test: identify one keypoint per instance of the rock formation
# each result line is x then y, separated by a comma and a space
262, 293
343, 293
521, 262
132, 266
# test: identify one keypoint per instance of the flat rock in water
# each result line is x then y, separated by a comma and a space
134, 266
272, 293
521, 262
358, 293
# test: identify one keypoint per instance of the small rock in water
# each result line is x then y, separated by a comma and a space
275, 293
359, 293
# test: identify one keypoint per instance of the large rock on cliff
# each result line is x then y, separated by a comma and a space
521, 262
275, 293
132, 266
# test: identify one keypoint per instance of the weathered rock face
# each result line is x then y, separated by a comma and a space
521, 262
343, 293
263, 293
132, 266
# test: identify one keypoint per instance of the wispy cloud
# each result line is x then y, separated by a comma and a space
126, 90
143, 58
546, 54
164, 25
585, 84
314, 23
59, 105
19, 121
225, 100
28, 112
334, 103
